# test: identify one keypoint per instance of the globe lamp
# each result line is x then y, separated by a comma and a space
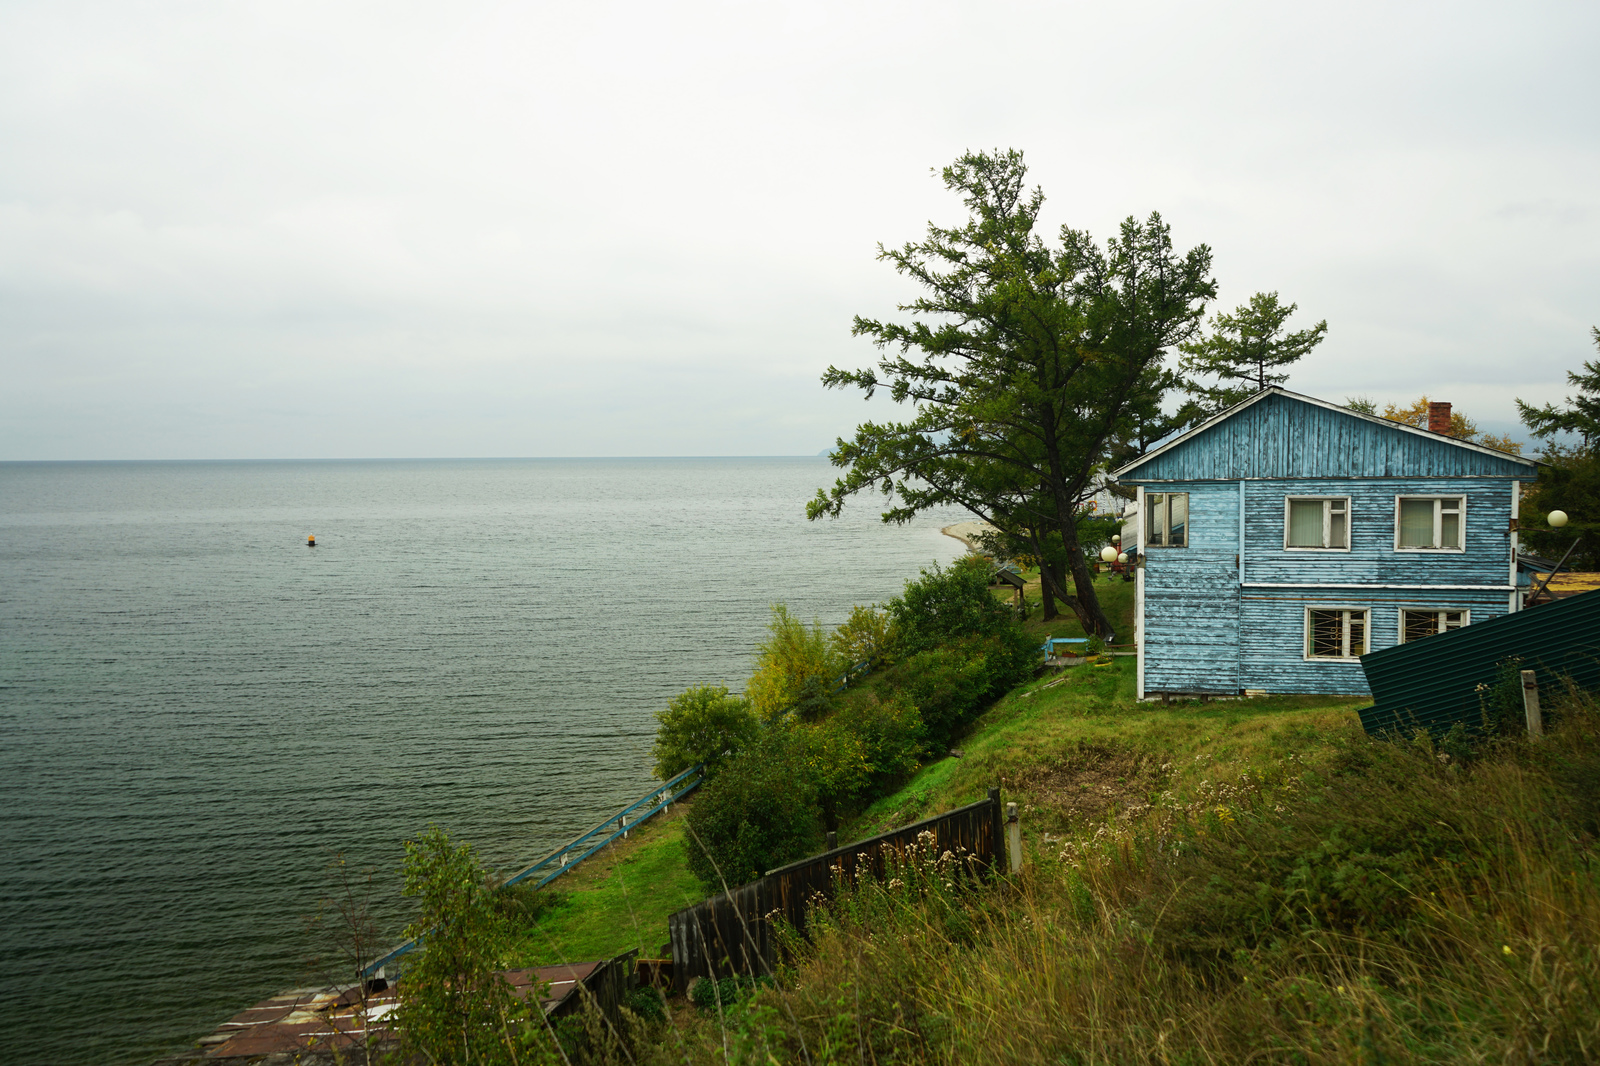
1557, 519
1108, 554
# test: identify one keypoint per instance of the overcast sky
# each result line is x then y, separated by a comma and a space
240, 229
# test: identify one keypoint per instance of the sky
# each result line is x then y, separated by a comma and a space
232, 229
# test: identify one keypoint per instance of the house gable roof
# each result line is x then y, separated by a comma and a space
1281, 434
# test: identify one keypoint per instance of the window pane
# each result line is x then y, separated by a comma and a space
1305, 523
1453, 620
1450, 530
1337, 517
1358, 632
1327, 633
1155, 519
1178, 520
1418, 624
1416, 523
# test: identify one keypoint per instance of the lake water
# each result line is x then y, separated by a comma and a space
197, 710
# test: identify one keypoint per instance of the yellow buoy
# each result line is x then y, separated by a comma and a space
311, 541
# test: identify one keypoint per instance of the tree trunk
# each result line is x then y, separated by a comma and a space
1082, 601
1047, 584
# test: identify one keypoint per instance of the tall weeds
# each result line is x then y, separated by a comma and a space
1383, 905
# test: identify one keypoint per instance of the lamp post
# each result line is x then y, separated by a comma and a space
1556, 519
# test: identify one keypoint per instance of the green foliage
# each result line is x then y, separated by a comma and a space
1244, 349
520, 905
1581, 414
891, 731
702, 725
710, 994
760, 813
1025, 364
647, 1002
952, 684
949, 604
794, 664
1570, 483
865, 637
454, 1007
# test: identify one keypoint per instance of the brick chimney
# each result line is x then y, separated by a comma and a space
1439, 418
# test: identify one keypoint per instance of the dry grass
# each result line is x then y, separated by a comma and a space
1365, 903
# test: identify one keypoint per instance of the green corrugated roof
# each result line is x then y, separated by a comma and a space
1433, 683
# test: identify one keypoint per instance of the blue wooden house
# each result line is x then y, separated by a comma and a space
1286, 536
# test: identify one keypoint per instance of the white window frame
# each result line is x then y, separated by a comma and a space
1438, 521
1327, 523
1166, 520
1400, 620
1344, 640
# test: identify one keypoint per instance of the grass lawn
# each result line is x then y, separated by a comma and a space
618, 900
1076, 745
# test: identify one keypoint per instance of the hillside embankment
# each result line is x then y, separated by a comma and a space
1251, 880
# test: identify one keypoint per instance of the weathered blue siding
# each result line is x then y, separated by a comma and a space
1220, 616
1372, 558
1272, 624
1191, 598
1279, 436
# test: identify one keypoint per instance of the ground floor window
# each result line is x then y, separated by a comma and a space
1336, 632
1414, 625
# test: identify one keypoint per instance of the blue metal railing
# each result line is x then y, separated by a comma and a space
579, 848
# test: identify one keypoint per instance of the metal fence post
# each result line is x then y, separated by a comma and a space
1530, 703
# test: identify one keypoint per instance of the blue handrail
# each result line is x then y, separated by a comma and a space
657, 801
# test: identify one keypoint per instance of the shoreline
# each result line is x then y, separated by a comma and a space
965, 531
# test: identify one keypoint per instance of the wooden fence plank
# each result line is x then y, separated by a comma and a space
732, 933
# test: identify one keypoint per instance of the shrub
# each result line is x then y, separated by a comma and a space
522, 904
865, 637
891, 730
455, 1007
946, 605
951, 685
794, 663
702, 725
756, 815
710, 993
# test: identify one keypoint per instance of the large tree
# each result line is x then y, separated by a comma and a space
1023, 364
1245, 349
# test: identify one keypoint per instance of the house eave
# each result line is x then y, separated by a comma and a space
1227, 413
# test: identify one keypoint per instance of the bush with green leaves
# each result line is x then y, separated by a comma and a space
952, 684
711, 994
949, 604
702, 725
455, 1007
891, 730
865, 638
795, 663
758, 814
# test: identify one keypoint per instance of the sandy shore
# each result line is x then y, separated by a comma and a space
966, 531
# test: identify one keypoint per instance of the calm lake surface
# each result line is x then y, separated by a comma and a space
197, 711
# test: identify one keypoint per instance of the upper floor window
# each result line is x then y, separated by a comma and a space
1316, 522
1414, 625
1166, 519
1336, 632
1429, 522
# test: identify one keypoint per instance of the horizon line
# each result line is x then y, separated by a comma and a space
420, 458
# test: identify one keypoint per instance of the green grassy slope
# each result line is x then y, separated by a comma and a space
617, 901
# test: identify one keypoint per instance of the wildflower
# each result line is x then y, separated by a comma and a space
1506, 948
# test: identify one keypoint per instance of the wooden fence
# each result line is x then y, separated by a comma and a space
732, 933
